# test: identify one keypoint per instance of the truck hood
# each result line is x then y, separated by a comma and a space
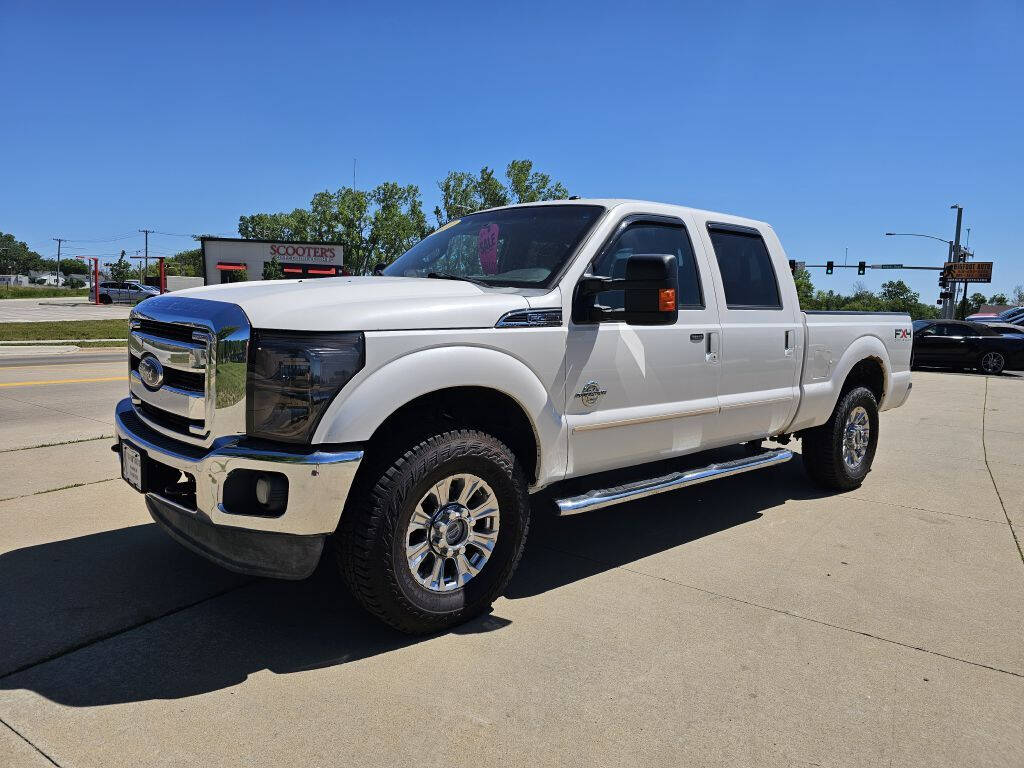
364, 303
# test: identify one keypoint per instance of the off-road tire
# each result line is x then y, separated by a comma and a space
370, 546
823, 446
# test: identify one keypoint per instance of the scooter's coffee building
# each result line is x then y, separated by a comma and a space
228, 260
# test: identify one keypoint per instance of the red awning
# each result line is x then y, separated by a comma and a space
230, 267
293, 269
331, 271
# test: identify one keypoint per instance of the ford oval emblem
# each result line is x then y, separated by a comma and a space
151, 372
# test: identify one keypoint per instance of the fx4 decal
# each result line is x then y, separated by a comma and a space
902, 334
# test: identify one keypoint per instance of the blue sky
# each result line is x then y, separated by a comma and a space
834, 122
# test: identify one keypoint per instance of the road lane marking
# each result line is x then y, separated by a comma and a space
60, 381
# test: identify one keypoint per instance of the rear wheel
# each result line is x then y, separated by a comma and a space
435, 534
992, 363
105, 299
838, 454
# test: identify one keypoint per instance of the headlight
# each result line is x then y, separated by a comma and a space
293, 377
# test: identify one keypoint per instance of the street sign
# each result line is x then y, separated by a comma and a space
887, 266
969, 271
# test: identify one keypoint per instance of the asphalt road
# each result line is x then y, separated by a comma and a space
748, 622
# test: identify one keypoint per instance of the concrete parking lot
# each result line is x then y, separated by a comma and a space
59, 308
749, 622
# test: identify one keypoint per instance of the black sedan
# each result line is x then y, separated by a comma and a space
961, 344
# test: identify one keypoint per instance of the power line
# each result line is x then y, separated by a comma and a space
113, 239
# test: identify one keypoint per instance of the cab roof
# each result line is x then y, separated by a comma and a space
650, 206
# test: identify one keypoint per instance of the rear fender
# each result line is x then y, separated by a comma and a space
818, 398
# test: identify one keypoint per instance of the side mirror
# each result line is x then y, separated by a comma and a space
650, 287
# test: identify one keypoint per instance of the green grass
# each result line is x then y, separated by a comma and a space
65, 329
23, 292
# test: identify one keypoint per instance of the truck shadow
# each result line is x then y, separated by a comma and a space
127, 615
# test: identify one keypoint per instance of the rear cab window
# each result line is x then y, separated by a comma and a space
748, 275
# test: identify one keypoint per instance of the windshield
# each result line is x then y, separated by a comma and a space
511, 246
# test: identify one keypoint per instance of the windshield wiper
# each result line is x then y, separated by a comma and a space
450, 276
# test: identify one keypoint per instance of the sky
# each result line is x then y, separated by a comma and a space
835, 122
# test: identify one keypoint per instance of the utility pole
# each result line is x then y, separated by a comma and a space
59, 241
956, 248
145, 269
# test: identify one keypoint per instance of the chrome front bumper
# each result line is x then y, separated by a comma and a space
318, 482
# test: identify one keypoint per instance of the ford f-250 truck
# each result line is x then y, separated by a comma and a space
407, 418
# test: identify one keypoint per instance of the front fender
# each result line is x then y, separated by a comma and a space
356, 414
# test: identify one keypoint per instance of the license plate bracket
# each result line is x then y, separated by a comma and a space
133, 466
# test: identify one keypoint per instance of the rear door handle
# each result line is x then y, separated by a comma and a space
790, 342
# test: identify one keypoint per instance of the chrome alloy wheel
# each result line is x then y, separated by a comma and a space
856, 437
452, 532
992, 362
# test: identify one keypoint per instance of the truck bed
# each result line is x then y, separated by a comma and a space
834, 342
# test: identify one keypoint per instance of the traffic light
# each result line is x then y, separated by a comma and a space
943, 282
792, 266
829, 267
861, 266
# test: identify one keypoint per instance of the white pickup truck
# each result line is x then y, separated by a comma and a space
407, 418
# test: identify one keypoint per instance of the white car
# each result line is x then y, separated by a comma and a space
408, 418
132, 291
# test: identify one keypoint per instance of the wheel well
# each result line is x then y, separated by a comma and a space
479, 408
869, 373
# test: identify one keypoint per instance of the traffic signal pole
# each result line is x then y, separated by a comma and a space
955, 256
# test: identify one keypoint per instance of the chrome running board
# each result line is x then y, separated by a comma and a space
673, 482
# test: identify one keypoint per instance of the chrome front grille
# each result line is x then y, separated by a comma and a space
202, 349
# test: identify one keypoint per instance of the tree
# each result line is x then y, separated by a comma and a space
238, 275
463, 193
526, 185
999, 299
897, 296
972, 304
372, 227
272, 269
185, 263
68, 266
1018, 295
397, 225
121, 270
16, 257
804, 288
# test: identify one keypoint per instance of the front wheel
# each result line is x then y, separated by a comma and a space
436, 533
838, 454
992, 363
